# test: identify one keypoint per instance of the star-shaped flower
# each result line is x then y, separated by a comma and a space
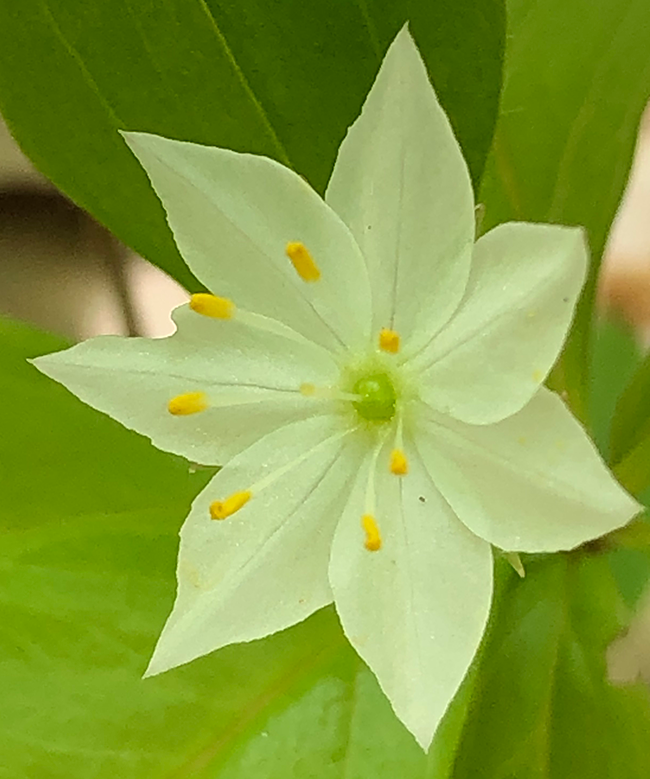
372, 382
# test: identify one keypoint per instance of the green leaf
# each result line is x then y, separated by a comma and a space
566, 132
620, 409
542, 707
615, 359
90, 513
262, 77
631, 569
631, 419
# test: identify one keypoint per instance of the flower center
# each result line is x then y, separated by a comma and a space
378, 397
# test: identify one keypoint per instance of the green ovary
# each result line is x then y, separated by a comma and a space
378, 397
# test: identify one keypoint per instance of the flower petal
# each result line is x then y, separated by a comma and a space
401, 184
251, 379
415, 610
233, 216
265, 567
503, 340
531, 483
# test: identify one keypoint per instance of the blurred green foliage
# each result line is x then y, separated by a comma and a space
542, 707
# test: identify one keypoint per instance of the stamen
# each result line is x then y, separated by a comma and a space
212, 306
221, 509
398, 463
224, 308
302, 261
373, 536
188, 403
368, 521
389, 341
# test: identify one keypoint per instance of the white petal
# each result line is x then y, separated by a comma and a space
400, 183
251, 378
233, 215
416, 609
265, 567
531, 483
503, 340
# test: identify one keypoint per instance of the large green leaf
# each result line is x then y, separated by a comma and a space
89, 513
631, 419
542, 707
615, 358
576, 80
267, 77
620, 408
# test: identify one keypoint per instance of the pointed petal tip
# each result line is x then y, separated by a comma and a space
423, 729
404, 32
423, 737
144, 144
404, 42
157, 666
42, 365
149, 672
133, 135
130, 137
45, 362
160, 664
628, 509
136, 140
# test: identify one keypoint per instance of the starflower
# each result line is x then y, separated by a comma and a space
371, 381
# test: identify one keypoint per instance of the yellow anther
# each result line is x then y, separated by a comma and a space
211, 305
309, 390
398, 463
189, 403
302, 261
373, 537
221, 509
389, 341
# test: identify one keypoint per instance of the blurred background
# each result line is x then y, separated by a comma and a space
62, 271
625, 278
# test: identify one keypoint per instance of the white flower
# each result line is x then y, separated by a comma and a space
371, 381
